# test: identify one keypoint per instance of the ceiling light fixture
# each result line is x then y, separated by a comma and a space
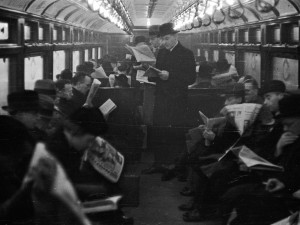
114, 11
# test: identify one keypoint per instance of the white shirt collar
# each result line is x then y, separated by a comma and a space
174, 46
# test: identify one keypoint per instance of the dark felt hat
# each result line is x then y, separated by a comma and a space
167, 28
236, 90
45, 87
22, 101
274, 86
139, 39
289, 106
46, 106
90, 120
154, 30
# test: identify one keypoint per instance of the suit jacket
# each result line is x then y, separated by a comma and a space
77, 100
180, 63
171, 95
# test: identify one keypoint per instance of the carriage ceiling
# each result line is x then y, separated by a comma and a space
78, 12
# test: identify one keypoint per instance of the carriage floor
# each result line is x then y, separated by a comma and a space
159, 200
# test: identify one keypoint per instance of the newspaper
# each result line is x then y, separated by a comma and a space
93, 90
152, 72
254, 161
105, 159
210, 122
101, 205
142, 53
223, 79
251, 159
62, 187
107, 107
242, 115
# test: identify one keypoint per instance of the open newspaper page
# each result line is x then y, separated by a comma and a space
101, 205
62, 188
105, 159
254, 161
242, 115
93, 90
142, 53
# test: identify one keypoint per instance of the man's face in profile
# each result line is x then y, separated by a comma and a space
155, 41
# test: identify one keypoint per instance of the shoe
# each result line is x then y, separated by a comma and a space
168, 175
193, 216
186, 207
187, 192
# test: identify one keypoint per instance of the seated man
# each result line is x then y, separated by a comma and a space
258, 202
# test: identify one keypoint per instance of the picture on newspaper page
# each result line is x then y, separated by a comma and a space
105, 159
242, 115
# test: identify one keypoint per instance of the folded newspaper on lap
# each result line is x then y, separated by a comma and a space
101, 205
242, 115
62, 187
255, 162
105, 159
251, 159
142, 53
107, 107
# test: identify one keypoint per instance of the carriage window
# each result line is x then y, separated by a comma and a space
27, 32
206, 55
63, 35
252, 65
41, 33
295, 34
276, 35
99, 53
216, 55
230, 56
34, 70
4, 74
86, 55
94, 53
258, 35
59, 62
4, 30
54, 34
76, 59
198, 52
246, 36
285, 69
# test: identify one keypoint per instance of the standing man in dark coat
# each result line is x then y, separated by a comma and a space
177, 65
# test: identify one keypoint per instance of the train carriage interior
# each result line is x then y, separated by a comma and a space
187, 109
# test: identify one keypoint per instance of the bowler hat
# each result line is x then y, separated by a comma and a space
289, 106
139, 39
274, 86
22, 101
46, 87
167, 28
236, 90
154, 30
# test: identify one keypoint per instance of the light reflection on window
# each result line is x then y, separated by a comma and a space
76, 59
27, 30
4, 74
59, 62
34, 70
4, 30
99, 53
86, 55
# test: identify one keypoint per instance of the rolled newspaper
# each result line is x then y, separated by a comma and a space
94, 88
